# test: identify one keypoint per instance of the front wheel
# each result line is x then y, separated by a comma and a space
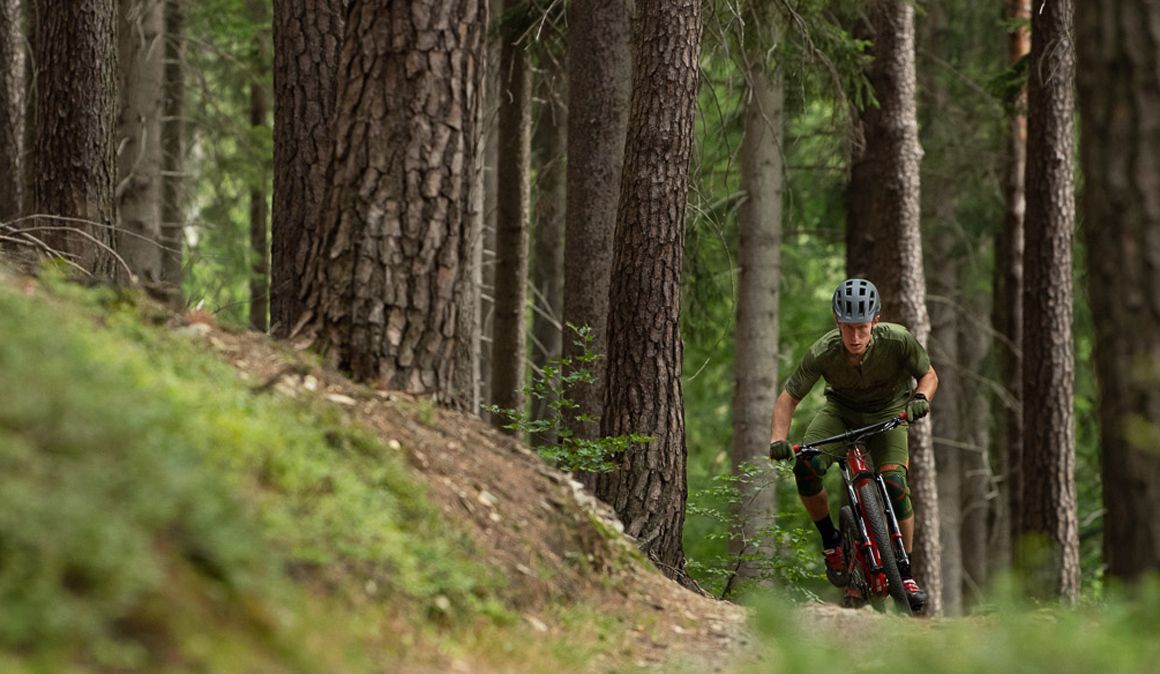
875, 514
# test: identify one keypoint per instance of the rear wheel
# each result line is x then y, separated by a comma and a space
876, 523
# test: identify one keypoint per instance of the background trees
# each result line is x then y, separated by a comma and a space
1121, 221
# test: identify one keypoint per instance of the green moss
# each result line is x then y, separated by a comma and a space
140, 471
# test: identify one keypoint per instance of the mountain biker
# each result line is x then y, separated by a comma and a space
868, 366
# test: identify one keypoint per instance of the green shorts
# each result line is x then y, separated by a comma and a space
885, 448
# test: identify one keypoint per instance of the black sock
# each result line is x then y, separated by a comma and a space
830, 536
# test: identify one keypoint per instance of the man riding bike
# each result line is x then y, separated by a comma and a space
868, 368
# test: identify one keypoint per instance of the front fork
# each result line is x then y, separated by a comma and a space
895, 530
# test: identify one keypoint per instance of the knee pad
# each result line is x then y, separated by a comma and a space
899, 492
808, 475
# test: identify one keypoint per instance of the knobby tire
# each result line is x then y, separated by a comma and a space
876, 523
850, 536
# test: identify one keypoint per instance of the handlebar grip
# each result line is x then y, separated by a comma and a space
797, 449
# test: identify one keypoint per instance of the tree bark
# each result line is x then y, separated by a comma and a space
643, 390
173, 149
979, 494
490, 200
141, 36
11, 108
883, 241
1007, 314
550, 143
71, 165
307, 41
946, 423
1119, 96
391, 272
758, 301
509, 336
1048, 527
599, 86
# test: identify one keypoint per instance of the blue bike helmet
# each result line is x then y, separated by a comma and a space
856, 301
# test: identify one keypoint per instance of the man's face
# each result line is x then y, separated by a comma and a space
856, 336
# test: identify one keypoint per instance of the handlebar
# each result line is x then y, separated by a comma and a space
853, 434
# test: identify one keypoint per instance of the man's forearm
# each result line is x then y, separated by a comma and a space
783, 409
927, 384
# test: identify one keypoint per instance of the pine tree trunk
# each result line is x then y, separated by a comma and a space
259, 215
509, 336
1007, 315
643, 390
71, 165
141, 35
490, 202
1048, 526
883, 241
391, 271
758, 301
946, 423
11, 108
173, 149
599, 86
550, 144
1119, 96
978, 502
307, 40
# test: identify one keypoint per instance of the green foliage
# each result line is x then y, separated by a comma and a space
1118, 636
228, 54
554, 383
793, 564
141, 472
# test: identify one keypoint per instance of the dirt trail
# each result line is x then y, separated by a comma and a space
553, 540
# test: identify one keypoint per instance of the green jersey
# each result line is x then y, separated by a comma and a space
881, 383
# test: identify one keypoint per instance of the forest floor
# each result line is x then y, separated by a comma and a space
554, 542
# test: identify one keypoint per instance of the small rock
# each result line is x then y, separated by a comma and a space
394, 444
487, 499
524, 570
195, 330
310, 382
443, 603
371, 587
341, 399
679, 630
536, 623
495, 517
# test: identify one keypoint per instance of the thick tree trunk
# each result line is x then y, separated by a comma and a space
599, 85
1048, 526
1007, 314
307, 40
391, 272
509, 336
173, 148
259, 215
883, 241
1119, 96
644, 388
758, 298
550, 143
141, 35
71, 165
11, 108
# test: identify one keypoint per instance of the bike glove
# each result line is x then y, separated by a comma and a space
917, 408
780, 450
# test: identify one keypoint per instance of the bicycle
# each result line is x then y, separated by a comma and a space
871, 539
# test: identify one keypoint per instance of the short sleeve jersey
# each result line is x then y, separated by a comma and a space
881, 383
